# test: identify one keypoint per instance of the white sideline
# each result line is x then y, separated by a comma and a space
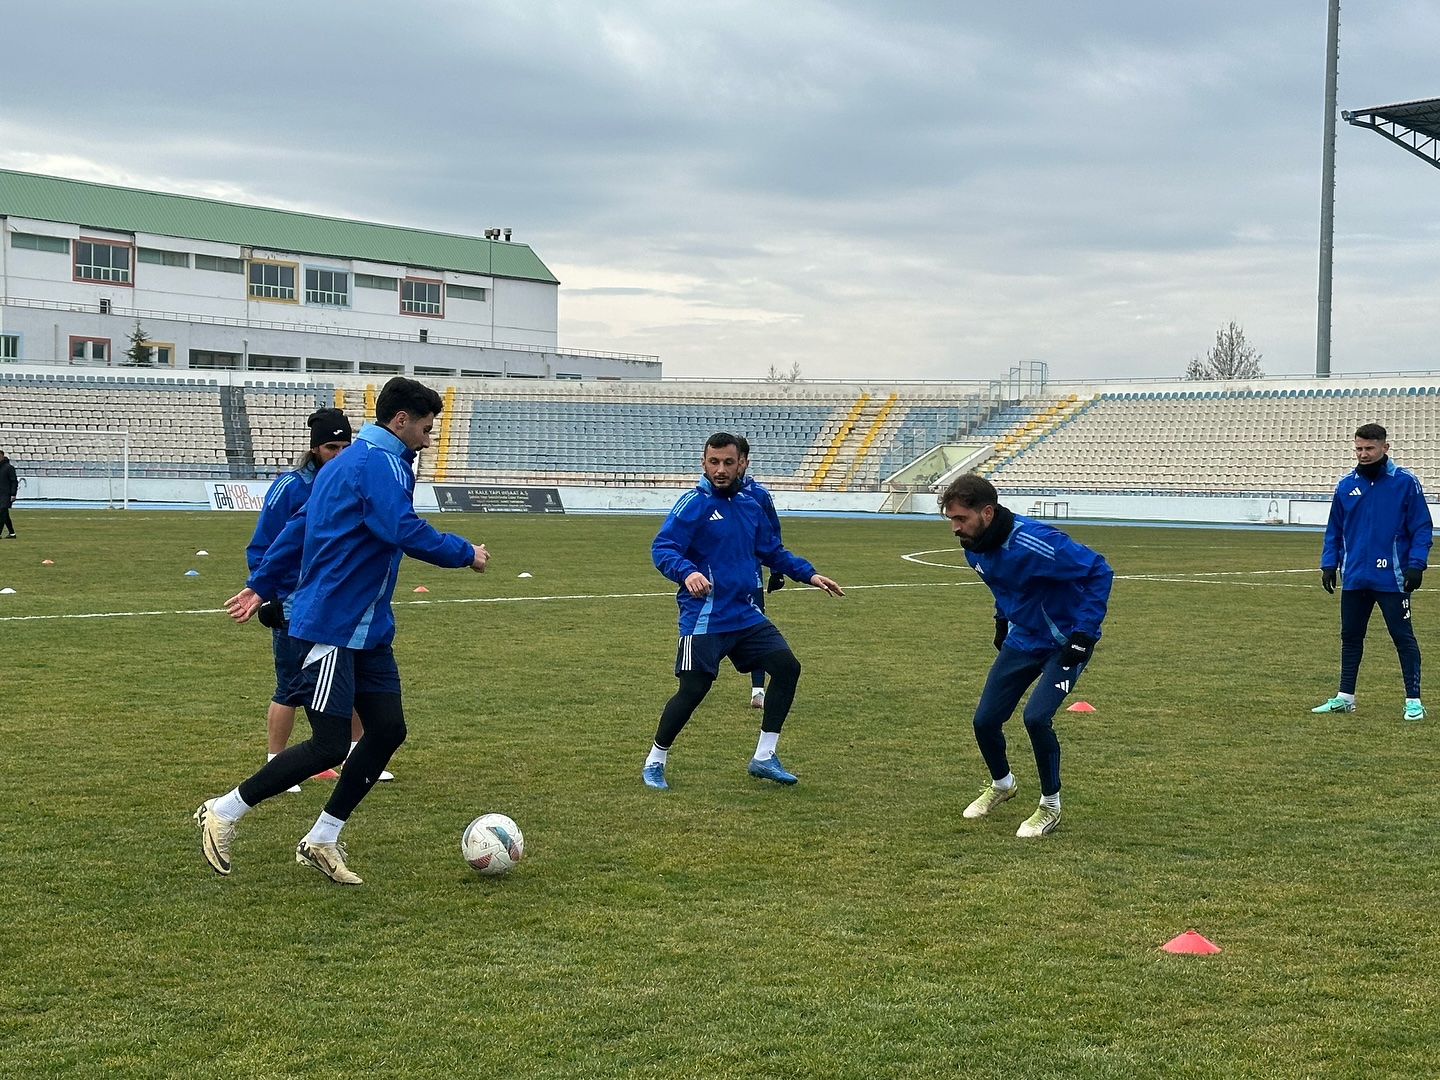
1200, 578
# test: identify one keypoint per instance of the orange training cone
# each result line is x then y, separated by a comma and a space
1080, 706
421, 588
1190, 942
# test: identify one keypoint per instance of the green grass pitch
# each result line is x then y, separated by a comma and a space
851, 926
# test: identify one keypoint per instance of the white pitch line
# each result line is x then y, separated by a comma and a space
478, 600
1200, 578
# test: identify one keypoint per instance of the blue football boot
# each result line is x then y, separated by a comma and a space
654, 776
770, 769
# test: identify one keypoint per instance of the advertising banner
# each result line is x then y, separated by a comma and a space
237, 494
485, 499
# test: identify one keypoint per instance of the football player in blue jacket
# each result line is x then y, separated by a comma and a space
709, 546
329, 434
1378, 542
1050, 597
359, 521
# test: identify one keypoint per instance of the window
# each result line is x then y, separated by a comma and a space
162, 258
369, 368
217, 262
272, 281
568, 375
371, 281
98, 261
316, 363
330, 287
57, 244
162, 353
199, 359
274, 363
89, 349
9, 346
465, 292
420, 297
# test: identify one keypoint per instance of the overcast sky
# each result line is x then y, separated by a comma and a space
927, 190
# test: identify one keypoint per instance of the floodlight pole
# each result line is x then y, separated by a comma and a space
1327, 194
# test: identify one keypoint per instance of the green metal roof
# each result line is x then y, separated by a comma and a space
102, 206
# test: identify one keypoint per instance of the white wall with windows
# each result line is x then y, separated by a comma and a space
65, 263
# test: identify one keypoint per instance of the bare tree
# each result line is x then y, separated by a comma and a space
1231, 357
776, 375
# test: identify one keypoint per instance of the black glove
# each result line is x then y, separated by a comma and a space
271, 613
1327, 578
1077, 650
777, 582
1413, 574
1002, 627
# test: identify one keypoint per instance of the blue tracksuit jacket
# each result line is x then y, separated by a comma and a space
761, 494
1046, 585
1377, 528
349, 539
286, 496
722, 538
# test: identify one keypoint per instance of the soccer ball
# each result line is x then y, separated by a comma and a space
492, 844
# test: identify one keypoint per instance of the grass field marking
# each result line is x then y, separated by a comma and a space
468, 600
1200, 577
111, 614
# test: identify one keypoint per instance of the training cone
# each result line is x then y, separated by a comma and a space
1190, 942
421, 588
524, 575
192, 573
202, 553
6, 592
47, 562
1080, 706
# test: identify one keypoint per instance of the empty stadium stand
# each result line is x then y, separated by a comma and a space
174, 425
1272, 440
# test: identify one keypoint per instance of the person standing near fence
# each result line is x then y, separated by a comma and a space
9, 492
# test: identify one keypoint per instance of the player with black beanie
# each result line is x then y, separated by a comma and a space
329, 434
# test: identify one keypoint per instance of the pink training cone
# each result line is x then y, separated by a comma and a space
1080, 706
1190, 942
421, 588
47, 562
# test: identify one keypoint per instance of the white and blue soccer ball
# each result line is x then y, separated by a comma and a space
492, 844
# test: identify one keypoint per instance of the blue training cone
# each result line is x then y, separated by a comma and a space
192, 573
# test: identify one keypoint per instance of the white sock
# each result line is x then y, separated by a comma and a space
766, 746
326, 830
656, 756
1005, 783
1051, 802
231, 806
1349, 699
756, 691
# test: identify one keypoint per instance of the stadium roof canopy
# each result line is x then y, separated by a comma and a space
1414, 125
102, 206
